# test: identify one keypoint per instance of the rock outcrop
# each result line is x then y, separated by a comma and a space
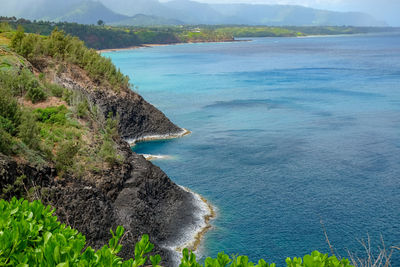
134, 193
137, 117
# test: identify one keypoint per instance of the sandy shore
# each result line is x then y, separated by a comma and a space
131, 47
153, 45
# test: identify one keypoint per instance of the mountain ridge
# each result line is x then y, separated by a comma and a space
178, 12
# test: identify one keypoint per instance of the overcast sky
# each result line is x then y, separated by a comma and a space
387, 10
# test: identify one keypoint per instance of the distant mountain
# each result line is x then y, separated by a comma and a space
153, 12
193, 12
284, 15
90, 12
134, 7
146, 20
85, 12
274, 15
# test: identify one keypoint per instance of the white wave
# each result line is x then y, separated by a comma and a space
156, 157
133, 141
192, 233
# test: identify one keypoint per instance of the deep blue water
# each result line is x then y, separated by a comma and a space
286, 132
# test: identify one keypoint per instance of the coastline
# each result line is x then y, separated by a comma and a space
132, 47
155, 45
192, 235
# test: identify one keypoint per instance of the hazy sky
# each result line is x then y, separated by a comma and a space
387, 10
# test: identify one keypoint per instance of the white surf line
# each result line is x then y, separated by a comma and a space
183, 132
155, 157
193, 234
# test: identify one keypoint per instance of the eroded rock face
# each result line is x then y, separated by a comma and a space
137, 118
135, 193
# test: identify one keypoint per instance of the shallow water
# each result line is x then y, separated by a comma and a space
286, 132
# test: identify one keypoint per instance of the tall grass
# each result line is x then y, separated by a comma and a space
371, 257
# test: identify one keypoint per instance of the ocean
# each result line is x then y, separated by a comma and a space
290, 136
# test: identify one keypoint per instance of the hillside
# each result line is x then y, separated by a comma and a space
108, 37
85, 12
290, 15
147, 20
65, 112
111, 37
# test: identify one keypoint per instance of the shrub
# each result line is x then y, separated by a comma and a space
7, 125
67, 96
111, 126
9, 108
5, 27
6, 142
35, 92
31, 236
17, 39
16, 83
52, 115
15, 189
66, 154
65, 47
29, 130
317, 259
107, 151
55, 89
82, 109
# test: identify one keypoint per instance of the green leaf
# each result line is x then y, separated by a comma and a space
14, 211
155, 260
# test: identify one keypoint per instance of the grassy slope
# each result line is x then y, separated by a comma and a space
63, 119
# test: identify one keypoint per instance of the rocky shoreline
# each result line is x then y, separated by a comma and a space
146, 201
133, 193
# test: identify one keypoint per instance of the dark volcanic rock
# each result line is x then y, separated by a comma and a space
137, 195
137, 118
134, 193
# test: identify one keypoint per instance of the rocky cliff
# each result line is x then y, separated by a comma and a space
133, 193
137, 117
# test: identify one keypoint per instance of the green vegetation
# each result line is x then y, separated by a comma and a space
52, 133
69, 49
30, 235
110, 132
259, 31
108, 37
292, 31
52, 115
28, 130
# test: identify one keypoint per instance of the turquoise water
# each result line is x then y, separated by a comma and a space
286, 132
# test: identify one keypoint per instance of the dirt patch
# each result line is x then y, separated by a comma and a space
50, 102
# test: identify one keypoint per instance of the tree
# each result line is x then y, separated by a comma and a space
17, 38
100, 22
